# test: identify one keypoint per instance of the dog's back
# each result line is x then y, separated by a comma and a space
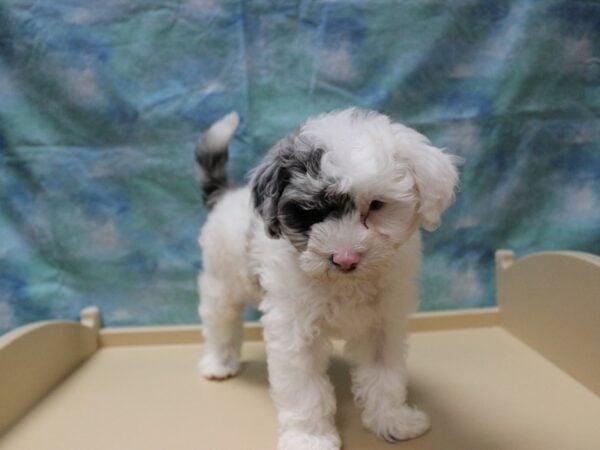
224, 237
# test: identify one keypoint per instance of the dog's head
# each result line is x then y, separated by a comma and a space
348, 188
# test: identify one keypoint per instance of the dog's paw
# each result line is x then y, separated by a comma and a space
213, 368
402, 424
296, 440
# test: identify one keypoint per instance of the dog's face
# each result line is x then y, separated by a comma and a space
348, 188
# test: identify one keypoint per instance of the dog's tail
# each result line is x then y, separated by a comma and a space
212, 156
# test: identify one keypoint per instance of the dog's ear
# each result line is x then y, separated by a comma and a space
267, 183
434, 172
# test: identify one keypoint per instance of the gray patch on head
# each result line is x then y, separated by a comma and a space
291, 193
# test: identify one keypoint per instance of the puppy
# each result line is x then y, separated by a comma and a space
325, 242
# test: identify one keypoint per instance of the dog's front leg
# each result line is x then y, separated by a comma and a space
379, 382
297, 361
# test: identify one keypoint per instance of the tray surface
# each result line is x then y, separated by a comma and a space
483, 389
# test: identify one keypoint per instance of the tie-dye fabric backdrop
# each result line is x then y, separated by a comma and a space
101, 103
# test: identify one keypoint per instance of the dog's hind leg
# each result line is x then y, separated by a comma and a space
221, 315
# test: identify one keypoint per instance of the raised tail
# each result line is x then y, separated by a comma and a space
212, 156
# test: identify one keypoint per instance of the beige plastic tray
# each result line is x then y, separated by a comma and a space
523, 376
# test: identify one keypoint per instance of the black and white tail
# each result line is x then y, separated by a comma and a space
211, 157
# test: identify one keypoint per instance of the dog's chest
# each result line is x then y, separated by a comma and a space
347, 312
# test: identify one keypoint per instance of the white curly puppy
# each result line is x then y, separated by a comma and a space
325, 241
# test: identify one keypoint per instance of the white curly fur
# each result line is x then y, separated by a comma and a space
306, 300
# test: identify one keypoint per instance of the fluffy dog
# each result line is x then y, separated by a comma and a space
325, 240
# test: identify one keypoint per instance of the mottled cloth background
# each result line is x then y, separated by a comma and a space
101, 104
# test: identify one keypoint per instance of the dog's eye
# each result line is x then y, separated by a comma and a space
375, 205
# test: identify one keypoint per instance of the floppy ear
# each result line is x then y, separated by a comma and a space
434, 173
267, 183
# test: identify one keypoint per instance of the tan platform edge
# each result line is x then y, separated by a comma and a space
523, 376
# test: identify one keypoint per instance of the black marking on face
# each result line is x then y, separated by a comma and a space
283, 163
300, 216
291, 193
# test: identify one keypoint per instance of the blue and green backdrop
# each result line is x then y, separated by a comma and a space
101, 104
